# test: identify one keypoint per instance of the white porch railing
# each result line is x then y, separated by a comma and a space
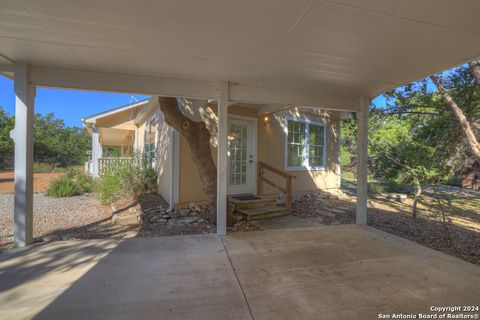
107, 165
88, 167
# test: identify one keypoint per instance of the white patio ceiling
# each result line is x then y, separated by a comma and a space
338, 47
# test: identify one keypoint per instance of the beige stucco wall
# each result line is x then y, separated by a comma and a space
163, 150
270, 149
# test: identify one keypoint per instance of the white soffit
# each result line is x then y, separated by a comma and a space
345, 47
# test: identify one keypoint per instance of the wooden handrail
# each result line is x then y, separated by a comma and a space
274, 170
288, 187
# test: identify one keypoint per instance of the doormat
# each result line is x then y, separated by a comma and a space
246, 197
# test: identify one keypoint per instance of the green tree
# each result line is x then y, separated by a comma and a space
6, 144
57, 144
398, 156
54, 143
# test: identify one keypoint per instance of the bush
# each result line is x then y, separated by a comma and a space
70, 184
62, 187
108, 188
126, 181
85, 183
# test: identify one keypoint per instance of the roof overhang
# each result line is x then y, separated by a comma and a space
114, 137
92, 119
323, 53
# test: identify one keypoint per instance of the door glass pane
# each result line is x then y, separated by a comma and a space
238, 151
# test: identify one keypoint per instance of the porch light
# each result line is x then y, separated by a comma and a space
266, 121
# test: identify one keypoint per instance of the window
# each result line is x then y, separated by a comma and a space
305, 145
150, 145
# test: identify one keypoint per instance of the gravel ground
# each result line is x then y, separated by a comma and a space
84, 217
449, 238
52, 215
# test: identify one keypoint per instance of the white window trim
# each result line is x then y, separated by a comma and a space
154, 116
306, 167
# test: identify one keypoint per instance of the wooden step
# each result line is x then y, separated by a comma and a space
263, 212
250, 204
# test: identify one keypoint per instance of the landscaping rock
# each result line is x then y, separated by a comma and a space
126, 219
163, 221
184, 212
187, 220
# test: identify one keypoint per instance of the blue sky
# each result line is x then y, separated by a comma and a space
69, 105
72, 105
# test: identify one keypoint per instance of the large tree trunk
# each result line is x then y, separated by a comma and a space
475, 67
470, 172
418, 192
198, 139
467, 129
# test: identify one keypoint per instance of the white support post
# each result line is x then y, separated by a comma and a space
362, 159
23, 138
222, 158
96, 152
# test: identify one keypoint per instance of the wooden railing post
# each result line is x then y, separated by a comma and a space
260, 179
289, 194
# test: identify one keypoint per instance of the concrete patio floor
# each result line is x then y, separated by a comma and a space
324, 272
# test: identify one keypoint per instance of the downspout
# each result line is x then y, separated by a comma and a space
171, 200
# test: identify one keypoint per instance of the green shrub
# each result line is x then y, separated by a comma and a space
63, 186
72, 183
126, 181
85, 183
108, 188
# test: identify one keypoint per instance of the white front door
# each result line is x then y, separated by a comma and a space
241, 157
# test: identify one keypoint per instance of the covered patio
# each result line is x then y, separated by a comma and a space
326, 272
114, 128
333, 55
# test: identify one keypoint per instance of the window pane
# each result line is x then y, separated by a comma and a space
238, 149
315, 156
316, 135
296, 143
295, 155
149, 147
296, 132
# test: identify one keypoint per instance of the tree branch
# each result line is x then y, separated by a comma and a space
464, 123
198, 139
475, 68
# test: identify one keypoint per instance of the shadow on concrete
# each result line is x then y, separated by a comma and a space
22, 265
154, 278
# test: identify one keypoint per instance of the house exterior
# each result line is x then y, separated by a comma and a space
330, 55
300, 141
